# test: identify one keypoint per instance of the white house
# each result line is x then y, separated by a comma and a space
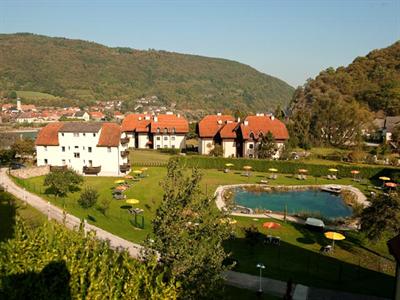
81, 115
239, 139
155, 131
87, 147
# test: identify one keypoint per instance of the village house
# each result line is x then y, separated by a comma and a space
155, 131
97, 115
90, 148
240, 139
81, 115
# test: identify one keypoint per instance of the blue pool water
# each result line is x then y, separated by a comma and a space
326, 204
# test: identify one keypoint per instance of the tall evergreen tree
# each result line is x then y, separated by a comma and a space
189, 233
267, 146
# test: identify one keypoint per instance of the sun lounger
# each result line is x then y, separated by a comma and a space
334, 177
329, 177
299, 177
263, 181
274, 176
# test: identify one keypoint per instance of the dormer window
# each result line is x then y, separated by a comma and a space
165, 130
252, 136
174, 130
158, 129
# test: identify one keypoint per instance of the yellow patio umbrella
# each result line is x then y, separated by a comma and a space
144, 169
137, 172
229, 165
334, 236
228, 220
128, 177
132, 201
384, 178
332, 170
303, 171
247, 168
273, 170
119, 181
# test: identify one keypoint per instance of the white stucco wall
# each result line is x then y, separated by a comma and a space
143, 138
131, 136
229, 147
203, 148
177, 141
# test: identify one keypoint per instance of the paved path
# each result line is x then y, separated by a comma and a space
242, 280
57, 214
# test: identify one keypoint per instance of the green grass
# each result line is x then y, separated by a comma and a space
30, 95
10, 207
143, 157
298, 256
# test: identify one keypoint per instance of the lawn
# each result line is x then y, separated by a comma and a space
30, 95
354, 265
148, 157
10, 207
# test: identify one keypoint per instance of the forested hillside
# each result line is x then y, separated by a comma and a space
84, 70
336, 106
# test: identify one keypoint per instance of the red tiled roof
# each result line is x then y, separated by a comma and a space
209, 125
263, 124
110, 135
173, 124
96, 114
135, 122
48, 135
229, 130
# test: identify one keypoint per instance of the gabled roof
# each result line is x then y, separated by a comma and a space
228, 131
210, 125
48, 135
110, 135
263, 124
172, 123
81, 127
136, 122
391, 123
80, 113
96, 114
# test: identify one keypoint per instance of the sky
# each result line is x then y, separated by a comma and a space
290, 39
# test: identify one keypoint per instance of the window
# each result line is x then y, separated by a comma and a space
45, 161
158, 138
173, 130
251, 146
165, 138
76, 147
89, 149
165, 130
173, 146
90, 162
77, 155
158, 130
45, 148
63, 148
158, 146
69, 160
94, 134
83, 148
62, 134
84, 161
69, 148
84, 134
63, 162
172, 138
76, 134
108, 149
165, 146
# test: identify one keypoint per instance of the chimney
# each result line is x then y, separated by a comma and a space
219, 114
246, 123
140, 118
178, 115
219, 122
238, 119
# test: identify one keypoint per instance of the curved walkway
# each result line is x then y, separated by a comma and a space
57, 214
220, 202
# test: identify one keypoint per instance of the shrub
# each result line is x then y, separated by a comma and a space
172, 151
88, 198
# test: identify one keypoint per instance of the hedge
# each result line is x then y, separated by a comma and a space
289, 167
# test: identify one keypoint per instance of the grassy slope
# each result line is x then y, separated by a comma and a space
86, 70
30, 95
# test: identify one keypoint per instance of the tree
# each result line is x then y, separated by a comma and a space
61, 182
88, 198
381, 216
6, 155
24, 147
266, 148
217, 150
13, 95
188, 234
104, 205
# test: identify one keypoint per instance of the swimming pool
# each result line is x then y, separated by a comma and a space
311, 201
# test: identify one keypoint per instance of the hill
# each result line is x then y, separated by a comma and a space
372, 81
84, 70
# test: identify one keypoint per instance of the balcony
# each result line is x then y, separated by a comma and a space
124, 140
91, 170
124, 153
58, 168
124, 168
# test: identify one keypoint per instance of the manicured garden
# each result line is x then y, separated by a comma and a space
298, 257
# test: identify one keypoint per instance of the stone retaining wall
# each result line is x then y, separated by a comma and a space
30, 172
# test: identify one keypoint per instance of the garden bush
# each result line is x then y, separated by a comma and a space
288, 167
